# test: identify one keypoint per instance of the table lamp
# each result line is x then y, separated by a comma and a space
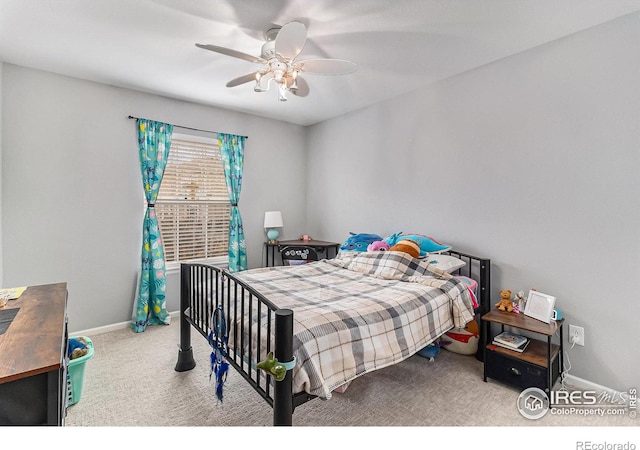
272, 221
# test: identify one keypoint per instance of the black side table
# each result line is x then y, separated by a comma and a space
323, 247
540, 365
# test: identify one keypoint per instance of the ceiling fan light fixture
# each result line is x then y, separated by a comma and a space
258, 87
282, 90
283, 45
294, 80
278, 75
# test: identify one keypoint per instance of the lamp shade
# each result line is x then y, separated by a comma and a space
273, 219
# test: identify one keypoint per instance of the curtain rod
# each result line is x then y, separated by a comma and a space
187, 128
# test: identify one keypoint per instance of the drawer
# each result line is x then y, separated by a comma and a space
515, 372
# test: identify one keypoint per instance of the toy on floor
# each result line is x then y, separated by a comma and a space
505, 303
77, 348
464, 340
432, 350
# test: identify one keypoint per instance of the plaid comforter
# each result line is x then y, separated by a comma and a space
360, 312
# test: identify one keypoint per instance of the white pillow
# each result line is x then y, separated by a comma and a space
446, 263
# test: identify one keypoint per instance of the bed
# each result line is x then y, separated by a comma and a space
328, 321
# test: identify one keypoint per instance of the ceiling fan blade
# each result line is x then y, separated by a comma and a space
230, 52
327, 66
291, 39
242, 80
251, 16
303, 88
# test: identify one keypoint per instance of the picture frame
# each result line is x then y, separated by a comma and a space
539, 306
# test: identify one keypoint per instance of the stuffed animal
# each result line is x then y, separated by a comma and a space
359, 242
519, 299
426, 243
273, 367
406, 246
505, 303
464, 340
378, 246
77, 347
432, 350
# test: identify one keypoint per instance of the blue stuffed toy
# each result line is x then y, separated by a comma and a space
76, 348
427, 244
359, 242
432, 350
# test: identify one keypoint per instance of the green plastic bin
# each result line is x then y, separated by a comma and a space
75, 374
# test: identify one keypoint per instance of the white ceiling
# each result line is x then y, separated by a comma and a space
398, 45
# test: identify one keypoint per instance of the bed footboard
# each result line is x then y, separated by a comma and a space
204, 288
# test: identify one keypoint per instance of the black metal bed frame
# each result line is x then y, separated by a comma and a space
203, 288
478, 269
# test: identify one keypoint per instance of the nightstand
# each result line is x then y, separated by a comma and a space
321, 247
539, 365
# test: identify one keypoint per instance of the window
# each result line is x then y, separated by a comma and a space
193, 204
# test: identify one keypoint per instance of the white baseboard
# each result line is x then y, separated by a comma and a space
585, 385
113, 327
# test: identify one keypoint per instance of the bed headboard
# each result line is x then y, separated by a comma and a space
478, 269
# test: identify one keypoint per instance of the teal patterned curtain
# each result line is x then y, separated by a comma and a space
232, 152
154, 140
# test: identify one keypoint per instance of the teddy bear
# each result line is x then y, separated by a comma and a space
505, 303
407, 246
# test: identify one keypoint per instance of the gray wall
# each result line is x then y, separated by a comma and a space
72, 197
531, 161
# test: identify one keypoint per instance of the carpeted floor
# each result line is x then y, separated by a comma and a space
131, 381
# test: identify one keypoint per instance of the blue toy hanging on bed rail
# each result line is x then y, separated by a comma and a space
218, 340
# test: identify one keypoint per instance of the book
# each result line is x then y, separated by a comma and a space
13, 293
520, 349
510, 340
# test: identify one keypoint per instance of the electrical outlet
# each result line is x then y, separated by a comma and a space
576, 335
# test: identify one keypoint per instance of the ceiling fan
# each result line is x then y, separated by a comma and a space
278, 56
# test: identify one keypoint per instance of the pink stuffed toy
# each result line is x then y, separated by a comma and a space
378, 246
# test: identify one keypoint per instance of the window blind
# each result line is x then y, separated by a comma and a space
193, 204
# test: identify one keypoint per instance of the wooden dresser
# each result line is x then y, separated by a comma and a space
33, 358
